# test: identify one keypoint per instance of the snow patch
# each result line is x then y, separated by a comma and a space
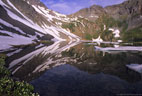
121, 48
3, 4
39, 34
6, 41
1, 27
116, 32
9, 25
12, 53
104, 27
92, 16
116, 46
119, 41
40, 45
17, 18
135, 67
43, 12
60, 15
19, 11
97, 40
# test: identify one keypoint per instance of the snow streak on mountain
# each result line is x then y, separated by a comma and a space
26, 21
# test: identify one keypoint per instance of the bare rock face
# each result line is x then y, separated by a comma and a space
130, 10
91, 13
36, 3
127, 8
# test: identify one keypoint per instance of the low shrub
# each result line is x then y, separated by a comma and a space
9, 87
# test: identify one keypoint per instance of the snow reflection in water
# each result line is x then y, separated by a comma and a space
48, 67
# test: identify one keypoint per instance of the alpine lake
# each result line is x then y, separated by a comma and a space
79, 68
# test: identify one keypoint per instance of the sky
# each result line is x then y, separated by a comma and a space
72, 6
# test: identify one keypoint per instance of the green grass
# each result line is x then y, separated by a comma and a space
46, 42
107, 35
88, 36
110, 23
70, 26
134, 35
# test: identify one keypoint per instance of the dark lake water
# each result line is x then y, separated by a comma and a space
80, 69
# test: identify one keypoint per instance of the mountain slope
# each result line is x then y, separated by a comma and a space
125, 17
22, 21
26, 21
130, 10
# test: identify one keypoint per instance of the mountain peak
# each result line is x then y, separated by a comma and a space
96, 6
91, 13
35, 2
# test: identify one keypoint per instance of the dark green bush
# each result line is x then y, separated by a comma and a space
2, 59
9, 87
4, 72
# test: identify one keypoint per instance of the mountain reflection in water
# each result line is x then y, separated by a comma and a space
78, 69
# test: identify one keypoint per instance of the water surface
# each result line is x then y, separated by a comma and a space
80, 69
